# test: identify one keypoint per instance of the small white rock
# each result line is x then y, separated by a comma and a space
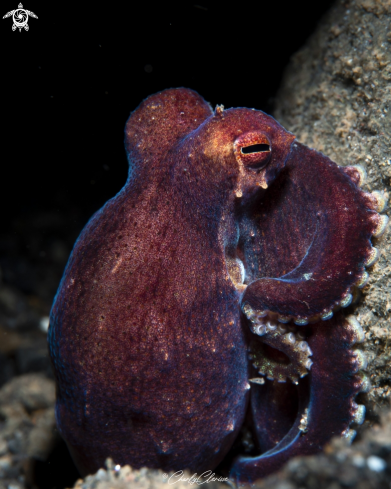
376, 464
44, 324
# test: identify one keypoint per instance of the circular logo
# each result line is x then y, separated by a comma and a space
20, 18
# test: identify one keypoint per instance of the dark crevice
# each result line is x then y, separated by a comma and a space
57, 472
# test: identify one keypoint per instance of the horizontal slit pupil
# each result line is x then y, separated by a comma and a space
256, 148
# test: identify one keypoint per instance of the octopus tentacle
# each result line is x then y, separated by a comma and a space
328, 409
325, 262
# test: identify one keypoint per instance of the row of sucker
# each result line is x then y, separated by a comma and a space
376, 201
280, 337
359, 363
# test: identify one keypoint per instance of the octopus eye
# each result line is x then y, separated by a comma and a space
253, 150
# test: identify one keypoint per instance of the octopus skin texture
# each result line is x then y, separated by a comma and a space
200, 306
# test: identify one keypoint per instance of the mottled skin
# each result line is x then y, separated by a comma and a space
147, 335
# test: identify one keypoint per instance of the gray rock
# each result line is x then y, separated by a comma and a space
116, 477
27, 427
32, 391
336, 98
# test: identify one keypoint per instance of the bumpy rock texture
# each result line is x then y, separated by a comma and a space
116, 477
336, 98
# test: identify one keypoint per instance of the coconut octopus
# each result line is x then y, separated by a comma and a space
198, 319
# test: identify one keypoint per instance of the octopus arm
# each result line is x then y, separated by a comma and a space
325, 409
318, 225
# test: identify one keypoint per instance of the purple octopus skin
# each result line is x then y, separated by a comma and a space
198, 303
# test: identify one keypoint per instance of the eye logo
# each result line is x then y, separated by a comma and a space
20, 16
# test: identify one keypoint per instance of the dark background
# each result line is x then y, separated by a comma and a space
70, 82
